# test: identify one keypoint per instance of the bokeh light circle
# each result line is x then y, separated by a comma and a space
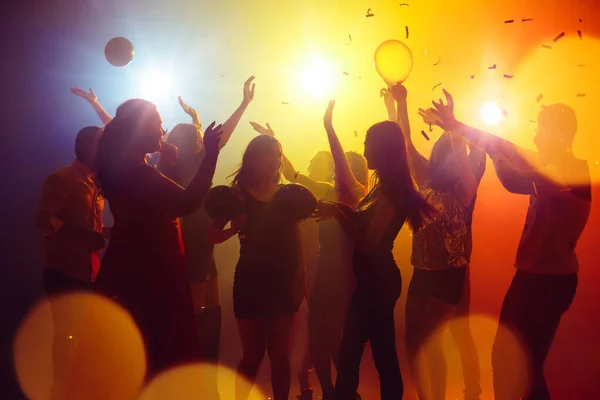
101, 352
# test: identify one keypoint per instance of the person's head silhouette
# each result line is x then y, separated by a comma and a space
556, 128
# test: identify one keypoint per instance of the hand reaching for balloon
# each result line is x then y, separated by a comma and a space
328, 118
445, 112
190, 111
89, 96
212, 138
268, 131
249, 90
399, 93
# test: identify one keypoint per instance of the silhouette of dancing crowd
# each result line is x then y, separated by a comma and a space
159, 263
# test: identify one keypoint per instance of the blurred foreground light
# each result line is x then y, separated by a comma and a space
79, 346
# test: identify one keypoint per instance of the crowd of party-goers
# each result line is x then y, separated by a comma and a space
159, 262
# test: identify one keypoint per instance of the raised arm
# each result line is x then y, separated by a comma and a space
190, 111
418, 163
92, 99
291, 174
345, 181
231, 123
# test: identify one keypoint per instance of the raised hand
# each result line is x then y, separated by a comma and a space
399, 92
212, 138
445, 112
328, 118
249, 90
268, 131
189, 111
89, 96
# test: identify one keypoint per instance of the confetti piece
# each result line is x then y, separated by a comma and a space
492, 67
526, 19
430, 128
424, 135
579, 33
438, 61
580, 20
369, 13
349, 37
581, 95
508, 76
406, 27
546, 46
283, 102
581, 65
539, 98
345, 73
535, 189
404, 4
510, 21
472, 76
426, 51
505, 112
436, 86
556, 39
355, 133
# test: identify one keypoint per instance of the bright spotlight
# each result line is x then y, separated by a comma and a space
491, 114
155, 85
319, 78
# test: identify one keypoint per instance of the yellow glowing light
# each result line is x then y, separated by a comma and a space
99, 351
491, 114
155, 84
319, 78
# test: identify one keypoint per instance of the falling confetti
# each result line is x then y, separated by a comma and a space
404, 4
355, 133
283, 102
505, 112
535, 189
581, 65
436, 86
472, 76
426, 51
427, 137
430, 128
406, 27
349, 37
556, 39
580, 20
581, 95
546, 46
508, 76
346, 73
510, 21
579, 33
369, 13
492, 67
526, 19
539, 98
438, 61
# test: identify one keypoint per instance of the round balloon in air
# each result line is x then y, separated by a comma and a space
293, 203
223, 203
393, 61
119, 51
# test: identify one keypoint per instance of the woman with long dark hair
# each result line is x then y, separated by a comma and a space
269, 281
372, 227
144, 266
439, 291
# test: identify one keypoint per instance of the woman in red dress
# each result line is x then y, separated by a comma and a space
144, 265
